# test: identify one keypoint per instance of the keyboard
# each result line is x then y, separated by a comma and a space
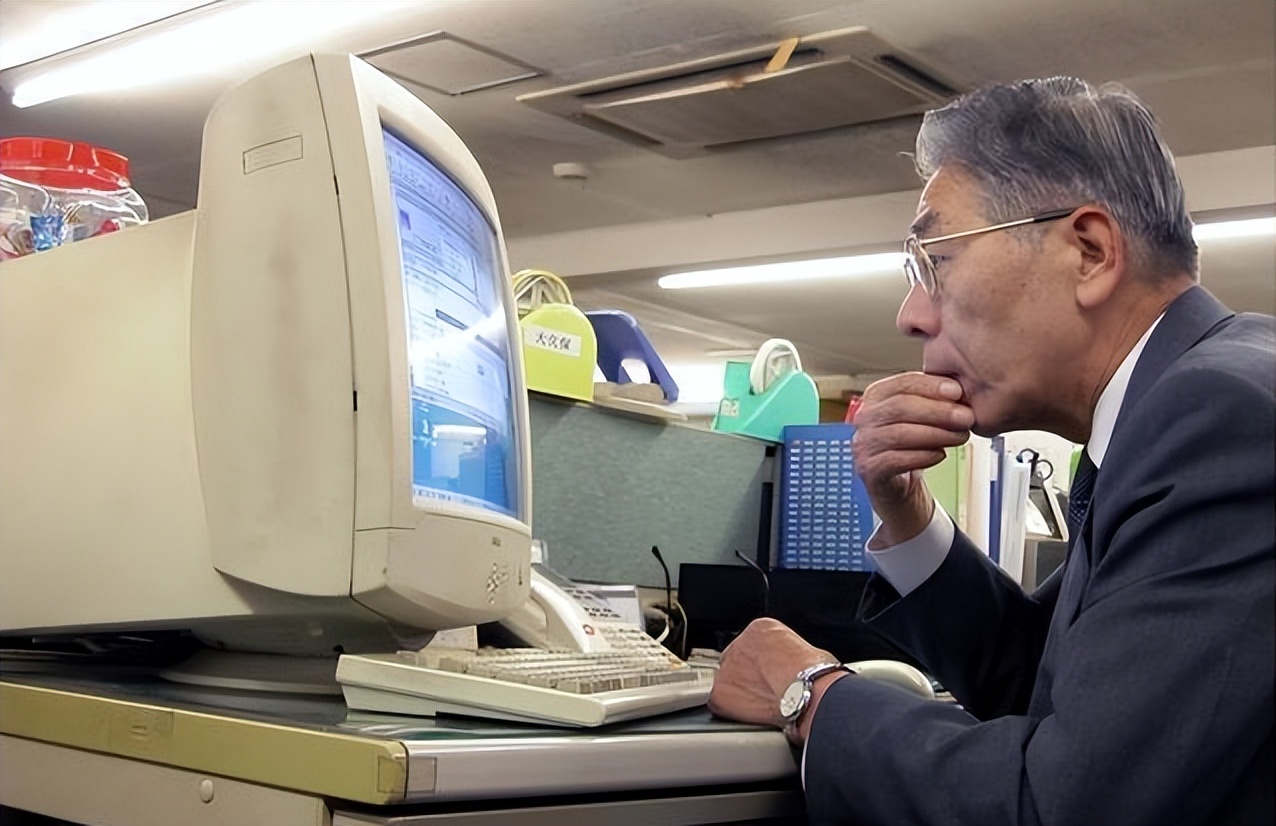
527, 685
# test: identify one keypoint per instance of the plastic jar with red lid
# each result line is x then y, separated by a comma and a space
53, 192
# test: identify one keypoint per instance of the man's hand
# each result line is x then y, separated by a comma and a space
756, 668
902, 427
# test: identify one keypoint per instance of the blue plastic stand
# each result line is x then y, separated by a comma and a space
620, 338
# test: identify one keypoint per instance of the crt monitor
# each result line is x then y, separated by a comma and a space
291, 420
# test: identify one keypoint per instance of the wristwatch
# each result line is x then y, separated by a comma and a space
797, 697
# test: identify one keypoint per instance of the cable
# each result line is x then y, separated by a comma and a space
668, 626
682, 638
766, 583
681, 650
655, 551
532, 288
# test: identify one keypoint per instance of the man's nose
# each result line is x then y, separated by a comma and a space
918, 316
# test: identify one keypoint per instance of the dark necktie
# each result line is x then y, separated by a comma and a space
1079, 494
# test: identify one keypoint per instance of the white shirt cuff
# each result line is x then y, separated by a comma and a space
909, 564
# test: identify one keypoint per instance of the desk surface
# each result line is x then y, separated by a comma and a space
316, 745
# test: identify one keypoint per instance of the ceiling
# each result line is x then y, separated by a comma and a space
1206, 67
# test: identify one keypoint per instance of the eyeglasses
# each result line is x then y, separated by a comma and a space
920, 269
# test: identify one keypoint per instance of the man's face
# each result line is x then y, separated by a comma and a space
1004, 317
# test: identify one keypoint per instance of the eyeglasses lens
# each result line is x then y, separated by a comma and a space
917, 266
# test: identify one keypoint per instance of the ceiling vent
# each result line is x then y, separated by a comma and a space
778, 90
449, 65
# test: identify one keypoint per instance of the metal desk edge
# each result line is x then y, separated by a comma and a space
344, 766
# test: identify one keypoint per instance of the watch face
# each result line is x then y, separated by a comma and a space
793, 699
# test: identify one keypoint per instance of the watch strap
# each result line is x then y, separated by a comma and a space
812, 673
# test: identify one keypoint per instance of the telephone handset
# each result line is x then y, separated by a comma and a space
562, 615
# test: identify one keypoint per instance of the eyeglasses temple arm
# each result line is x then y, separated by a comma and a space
1035, 219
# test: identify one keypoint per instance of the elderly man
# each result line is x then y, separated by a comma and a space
1053, 284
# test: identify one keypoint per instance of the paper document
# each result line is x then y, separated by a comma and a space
1015, 478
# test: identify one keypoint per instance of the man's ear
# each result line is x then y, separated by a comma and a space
1099, 253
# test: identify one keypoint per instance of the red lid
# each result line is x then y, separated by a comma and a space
63, 164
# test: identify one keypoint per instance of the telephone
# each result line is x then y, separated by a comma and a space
562, 615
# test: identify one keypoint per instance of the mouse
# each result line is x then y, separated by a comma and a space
892, 672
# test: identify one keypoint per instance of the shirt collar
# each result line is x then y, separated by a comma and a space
1105, 412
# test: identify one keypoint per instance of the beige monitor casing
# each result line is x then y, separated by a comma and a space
205, 421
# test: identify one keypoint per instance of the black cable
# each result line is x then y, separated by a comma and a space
766, 583
668, 580
682, 637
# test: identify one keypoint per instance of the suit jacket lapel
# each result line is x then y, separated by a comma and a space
1188, 319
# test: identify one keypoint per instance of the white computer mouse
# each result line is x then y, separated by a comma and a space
895, 673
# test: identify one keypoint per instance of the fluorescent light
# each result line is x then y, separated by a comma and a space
225, 35
45, 29
855, 265
844, 267
1234, 229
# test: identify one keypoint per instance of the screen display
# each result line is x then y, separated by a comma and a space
464, 448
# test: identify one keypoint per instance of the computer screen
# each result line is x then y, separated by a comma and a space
463, 445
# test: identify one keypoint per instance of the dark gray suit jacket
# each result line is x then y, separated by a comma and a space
1136, 687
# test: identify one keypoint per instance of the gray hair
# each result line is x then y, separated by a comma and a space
1047, 144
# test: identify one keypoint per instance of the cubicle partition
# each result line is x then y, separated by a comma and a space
609, 484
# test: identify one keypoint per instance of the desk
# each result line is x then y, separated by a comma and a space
130, 748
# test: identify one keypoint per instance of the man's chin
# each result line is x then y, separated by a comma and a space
986, 432
987, 422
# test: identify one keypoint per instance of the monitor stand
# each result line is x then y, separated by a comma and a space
276, 673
